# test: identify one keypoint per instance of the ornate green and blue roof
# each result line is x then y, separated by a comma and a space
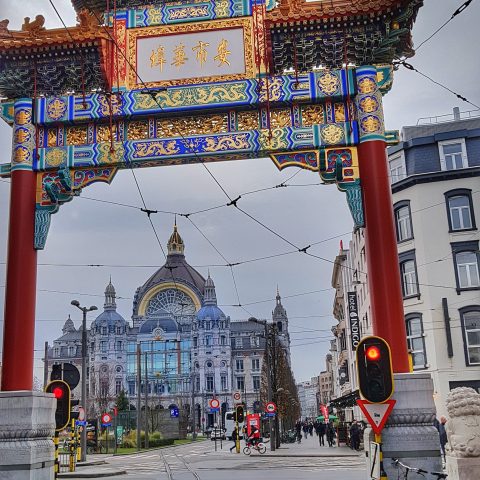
300, 35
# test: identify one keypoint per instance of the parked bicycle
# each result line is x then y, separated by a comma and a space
259, 447
419, 471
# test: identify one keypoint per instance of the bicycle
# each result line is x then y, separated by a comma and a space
398, 463
259, 447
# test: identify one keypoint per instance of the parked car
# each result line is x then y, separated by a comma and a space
218, 433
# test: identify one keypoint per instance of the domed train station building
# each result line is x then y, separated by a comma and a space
180, 337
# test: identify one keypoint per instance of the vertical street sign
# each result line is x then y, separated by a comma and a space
354, 321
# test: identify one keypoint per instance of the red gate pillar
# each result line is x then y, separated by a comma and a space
380, 237
20, 291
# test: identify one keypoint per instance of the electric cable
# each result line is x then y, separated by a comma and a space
409, 66
459, 10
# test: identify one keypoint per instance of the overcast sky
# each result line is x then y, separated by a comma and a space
88, 232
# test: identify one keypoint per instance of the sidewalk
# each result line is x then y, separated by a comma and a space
90, 469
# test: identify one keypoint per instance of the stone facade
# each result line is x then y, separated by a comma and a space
435, 176
185, 339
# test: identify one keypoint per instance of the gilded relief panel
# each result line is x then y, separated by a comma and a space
248, 120
137, 130
104, 135
77, 136
194, 125
313, 115
280, 118
52, 137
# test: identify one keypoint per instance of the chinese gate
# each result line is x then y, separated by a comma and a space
194, 81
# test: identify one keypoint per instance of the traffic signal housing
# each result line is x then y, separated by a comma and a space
374, 367
239, 414
61, 391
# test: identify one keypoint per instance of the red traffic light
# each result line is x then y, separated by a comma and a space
373, 353
58, 392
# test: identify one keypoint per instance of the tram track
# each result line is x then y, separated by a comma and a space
180, 467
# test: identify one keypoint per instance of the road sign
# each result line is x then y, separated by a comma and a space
376, 413
214, 403
270, 407
237, 397
81, 423
81, 413
106, 418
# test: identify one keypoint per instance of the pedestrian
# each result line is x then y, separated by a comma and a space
305, 429
320, 431
234, 438
443, 434
310, 429
298, 430
355, 436
330, 431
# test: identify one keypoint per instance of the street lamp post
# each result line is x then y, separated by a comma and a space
273, 442
193, 412
83, 436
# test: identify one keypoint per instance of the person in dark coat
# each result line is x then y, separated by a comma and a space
234, 438
354, 436
442, 433
330, 434
298, 430
320, 430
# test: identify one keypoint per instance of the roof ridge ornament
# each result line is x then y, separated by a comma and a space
34, 28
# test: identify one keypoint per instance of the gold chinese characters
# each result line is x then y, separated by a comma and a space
159, 57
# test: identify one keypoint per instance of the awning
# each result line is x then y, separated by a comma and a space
347, 400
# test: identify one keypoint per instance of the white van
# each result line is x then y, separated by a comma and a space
230, 425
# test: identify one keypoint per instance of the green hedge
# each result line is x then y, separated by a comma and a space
154, 439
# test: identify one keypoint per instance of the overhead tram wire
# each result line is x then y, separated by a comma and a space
225, 265
458, 11
229, 264
409, 66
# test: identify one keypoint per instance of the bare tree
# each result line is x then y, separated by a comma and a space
284, 389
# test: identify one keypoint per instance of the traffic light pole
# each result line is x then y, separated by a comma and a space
270, 338
378, 439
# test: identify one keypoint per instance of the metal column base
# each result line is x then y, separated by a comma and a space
27, 425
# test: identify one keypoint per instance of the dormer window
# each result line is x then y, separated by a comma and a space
453, 154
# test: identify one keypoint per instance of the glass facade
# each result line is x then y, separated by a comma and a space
167, 365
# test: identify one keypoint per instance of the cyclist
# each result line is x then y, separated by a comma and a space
254, 436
